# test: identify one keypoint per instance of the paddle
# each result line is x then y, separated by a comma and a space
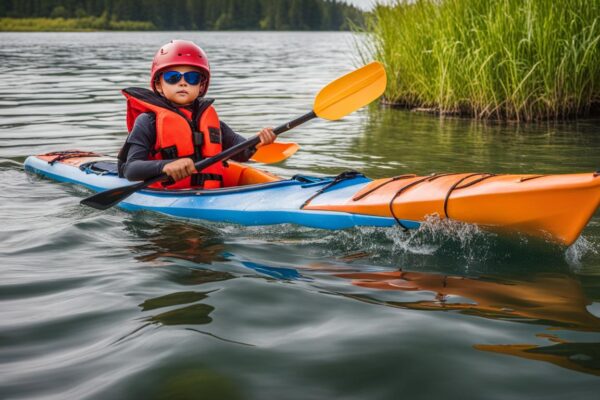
339, 98
275, 152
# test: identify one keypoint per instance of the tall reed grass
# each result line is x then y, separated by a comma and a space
500, 59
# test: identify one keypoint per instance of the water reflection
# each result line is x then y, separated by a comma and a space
194, 277
398, 142
192, 382
546, 299
281, 273
167, 238
554, 300
164, 240
196, 314
175, 241
179, 241
173, 299
581, 357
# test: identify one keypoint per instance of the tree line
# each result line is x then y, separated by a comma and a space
197, 14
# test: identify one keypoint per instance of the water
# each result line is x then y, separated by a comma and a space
113, 304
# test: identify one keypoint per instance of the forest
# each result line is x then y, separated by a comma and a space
182, 14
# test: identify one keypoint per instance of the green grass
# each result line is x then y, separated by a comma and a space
71, 24
499, 59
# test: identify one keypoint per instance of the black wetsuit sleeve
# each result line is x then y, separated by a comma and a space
230, 139
141, 142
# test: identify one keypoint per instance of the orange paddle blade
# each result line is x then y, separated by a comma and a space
275, 152
351, 92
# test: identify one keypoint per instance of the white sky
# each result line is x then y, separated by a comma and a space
366, 4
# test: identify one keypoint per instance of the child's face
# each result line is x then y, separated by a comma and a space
181, 93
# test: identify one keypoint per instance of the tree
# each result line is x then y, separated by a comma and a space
59, 12
194, 14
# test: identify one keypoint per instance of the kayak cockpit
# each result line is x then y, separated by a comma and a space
235, 174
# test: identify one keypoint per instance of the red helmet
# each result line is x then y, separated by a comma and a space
179, 52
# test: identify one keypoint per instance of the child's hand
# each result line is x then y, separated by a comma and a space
179, 169
266, 136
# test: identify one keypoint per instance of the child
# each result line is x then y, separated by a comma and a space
173, 126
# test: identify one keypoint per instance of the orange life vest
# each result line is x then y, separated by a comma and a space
180, 134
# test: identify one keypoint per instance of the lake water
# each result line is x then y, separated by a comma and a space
112, 305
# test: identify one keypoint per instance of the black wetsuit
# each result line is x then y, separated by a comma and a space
141, 143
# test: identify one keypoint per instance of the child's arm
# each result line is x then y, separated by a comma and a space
230, 139
141, 141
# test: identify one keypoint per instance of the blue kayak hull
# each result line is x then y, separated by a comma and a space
278, 202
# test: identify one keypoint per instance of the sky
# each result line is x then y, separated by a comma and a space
365, 4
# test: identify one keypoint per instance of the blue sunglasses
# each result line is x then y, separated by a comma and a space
191, 77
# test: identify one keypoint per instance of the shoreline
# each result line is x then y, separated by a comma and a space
103, 24
436, 111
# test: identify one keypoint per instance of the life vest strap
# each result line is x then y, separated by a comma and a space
198, 139
215, 135
169, 153
200, 178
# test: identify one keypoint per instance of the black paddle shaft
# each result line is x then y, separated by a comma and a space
109, 198
238, 148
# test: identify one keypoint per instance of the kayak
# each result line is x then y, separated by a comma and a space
555, 207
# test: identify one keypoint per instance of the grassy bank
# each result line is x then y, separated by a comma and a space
501, 59
71, 24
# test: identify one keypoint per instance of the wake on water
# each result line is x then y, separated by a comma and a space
457, 245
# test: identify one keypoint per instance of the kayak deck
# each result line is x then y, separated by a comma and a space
558, 206
553, 206
264, 199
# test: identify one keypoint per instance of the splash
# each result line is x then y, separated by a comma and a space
435, 233
457, 246
460, 242
578, 250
